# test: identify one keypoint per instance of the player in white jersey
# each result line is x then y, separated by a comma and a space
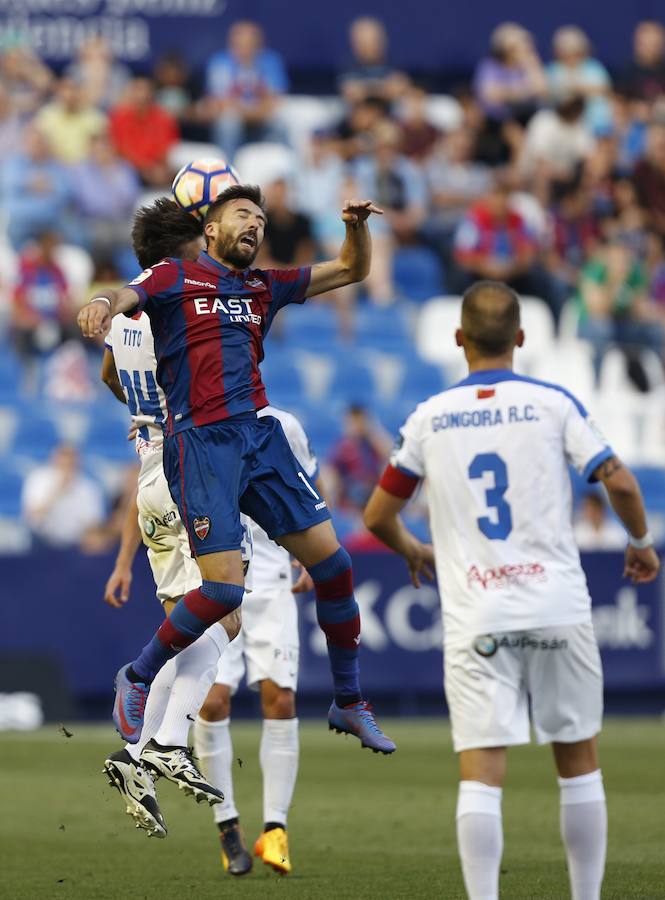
267, 650
129, 371
494, 452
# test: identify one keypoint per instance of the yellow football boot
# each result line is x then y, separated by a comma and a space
273, 848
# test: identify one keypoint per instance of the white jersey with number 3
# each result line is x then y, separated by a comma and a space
494, 451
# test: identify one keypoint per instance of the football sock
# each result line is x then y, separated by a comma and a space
212, 744
339, 617
191, 616
278, 755
480, 838
156, 703
195, 671
584, 833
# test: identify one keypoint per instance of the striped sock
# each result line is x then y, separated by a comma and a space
191, 616
339, 617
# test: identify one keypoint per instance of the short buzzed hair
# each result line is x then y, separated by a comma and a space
491, 317
251, 192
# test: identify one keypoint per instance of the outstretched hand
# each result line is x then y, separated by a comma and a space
356, 211
95, 318
641, 566
420, 560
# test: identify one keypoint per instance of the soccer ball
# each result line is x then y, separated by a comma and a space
198, 183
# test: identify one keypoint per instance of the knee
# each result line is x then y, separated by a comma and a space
217, 705
335, 565
282, 705
231, 624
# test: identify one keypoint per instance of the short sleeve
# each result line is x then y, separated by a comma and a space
156, 281
108, 341
287, 286
302, 450
584, 443
406, 467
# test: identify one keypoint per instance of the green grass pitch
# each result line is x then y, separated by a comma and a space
362, 826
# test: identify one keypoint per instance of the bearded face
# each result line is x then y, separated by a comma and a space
237, 236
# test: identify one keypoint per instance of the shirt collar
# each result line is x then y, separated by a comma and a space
489, 376
207, 259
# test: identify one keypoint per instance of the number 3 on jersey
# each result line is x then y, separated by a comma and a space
499, 526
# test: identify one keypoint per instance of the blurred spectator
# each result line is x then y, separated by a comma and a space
644, 78
102, 537
613, 304
599, 175
35, 189
493, 241
629, 222
356, 132
394, 182
655, 264
370, 74
630, 128
11, 126
510, 83
557, 143
105, 190
68, 122
454, 181
358, 458
100, 77
143, 132
60, 504
574, 71
26, 79
288, 235
244, 84
419, 136
575, 235
178, 92
650, 177
42, 314
595, 529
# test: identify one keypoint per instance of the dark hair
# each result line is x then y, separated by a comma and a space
251, 192
160, 230
491, 317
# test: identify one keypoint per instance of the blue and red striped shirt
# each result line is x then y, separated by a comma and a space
209, 323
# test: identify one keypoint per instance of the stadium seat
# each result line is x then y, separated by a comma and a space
77, 267
107, 438
283, 381
417, 273
353, 381
36, 436
314, 327
11, 487
652, 483
11, 376
421, 380
569, 365
538, 326
303, 115
437, 322
185, 152
385, 329
262, 163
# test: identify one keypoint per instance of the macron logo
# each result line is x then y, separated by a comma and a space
200, 283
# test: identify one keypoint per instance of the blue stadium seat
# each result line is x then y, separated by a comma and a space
353, 381
36, 435
417, 273
10, 376
283, 380
311, 327
107, 438
11, 486
323, 428
381, 329
421, 380
652, 483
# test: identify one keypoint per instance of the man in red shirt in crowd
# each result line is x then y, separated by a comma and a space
143, 132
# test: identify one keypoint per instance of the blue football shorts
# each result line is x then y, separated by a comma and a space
243, 464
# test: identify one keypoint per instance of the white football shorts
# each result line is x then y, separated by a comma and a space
268, 645
173, 568
491, 682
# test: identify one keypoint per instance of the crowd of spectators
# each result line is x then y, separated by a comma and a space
550, 176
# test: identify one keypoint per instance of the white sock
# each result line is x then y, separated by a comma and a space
158, 698
195, 671
278, 755
212, 742
584, 832
480, 838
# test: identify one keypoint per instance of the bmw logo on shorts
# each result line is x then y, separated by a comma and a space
485, 645
149, 527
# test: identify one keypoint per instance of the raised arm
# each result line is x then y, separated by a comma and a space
355, 256
642, 563
95, 317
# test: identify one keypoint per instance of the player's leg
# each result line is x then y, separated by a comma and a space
278, 754
566, 685
204, 468
212, 742
281, 499
488, 712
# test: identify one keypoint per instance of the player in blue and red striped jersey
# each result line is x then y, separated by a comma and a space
209, 318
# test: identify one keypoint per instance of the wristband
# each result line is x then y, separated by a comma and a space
105, 299
641, 543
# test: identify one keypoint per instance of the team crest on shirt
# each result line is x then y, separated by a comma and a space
255, 282
201, 527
